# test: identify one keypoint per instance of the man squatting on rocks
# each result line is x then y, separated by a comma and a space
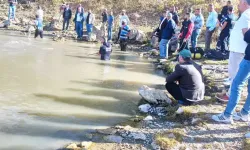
186, 84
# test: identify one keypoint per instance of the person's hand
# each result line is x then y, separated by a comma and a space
244, 30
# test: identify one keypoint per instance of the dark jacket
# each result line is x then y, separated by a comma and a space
67, 14
82, 15
167, 29
247, 39
175, 17
105, 51
190, 78
104, 17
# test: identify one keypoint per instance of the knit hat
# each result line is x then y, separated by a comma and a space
185, 53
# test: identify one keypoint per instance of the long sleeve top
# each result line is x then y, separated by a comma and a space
198, 22
212, 20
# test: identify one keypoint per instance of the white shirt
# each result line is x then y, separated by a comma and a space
40, 13
124, 18
236, 41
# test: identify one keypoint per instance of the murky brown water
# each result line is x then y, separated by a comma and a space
51, 93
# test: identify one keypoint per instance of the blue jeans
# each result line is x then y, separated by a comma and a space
110, 33
12, 12
194, 37
89, 28
164, 48
239, 81
79, 29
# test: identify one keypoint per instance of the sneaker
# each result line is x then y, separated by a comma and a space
223, 119
238, 116
222, 97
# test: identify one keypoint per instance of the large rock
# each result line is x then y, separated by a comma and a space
153, 95
6, 23
108, 131
86, 144
154, 42
138, 136
145, 108
30, 29
71, 146
113, 138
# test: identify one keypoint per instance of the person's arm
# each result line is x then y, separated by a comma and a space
181, 32
177, 19
128, 21
214, 21
175, 75
190, 31
224, 25
70, 14
246, 35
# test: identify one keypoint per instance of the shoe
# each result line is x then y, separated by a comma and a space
226, 80
238, 116
222, 118
222, 97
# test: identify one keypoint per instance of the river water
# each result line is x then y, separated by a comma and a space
52, 93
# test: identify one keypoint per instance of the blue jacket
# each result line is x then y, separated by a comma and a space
39, 24
168, 29
110, 20
247, 39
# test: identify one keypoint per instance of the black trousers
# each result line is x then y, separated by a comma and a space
183, 45
120, 29
66, 22
38, 32
223, 39
123, 44
175, 91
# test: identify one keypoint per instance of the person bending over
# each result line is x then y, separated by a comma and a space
186, 84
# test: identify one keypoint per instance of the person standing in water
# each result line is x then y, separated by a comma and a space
39, 27
124, 35
105, 50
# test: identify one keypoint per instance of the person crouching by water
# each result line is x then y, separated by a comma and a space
79, 18
105, 49
186, 84
125, 31
39, 27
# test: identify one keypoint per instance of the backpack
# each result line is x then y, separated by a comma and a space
197, 53
217, 55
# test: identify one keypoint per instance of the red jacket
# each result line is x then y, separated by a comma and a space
187, 29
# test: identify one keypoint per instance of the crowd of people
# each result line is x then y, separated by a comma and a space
234, 38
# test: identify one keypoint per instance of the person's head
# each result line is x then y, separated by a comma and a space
243, 5
229, 3
39, 7
230, 10
90, 11
67, 5
173, 9
79, 5
197, 11
169, 16
123, 12
79, 9
105, 10
124, 23
37, 16
187, 16
210, 7
185, 56
111, 12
